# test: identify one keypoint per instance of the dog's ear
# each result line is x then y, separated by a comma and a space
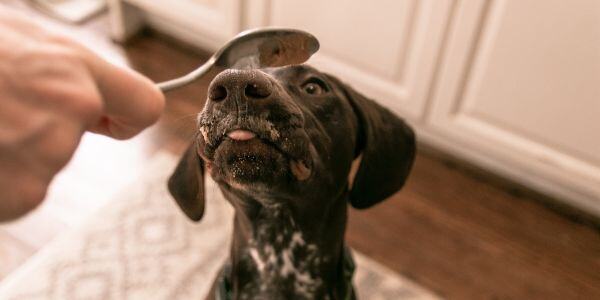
387, 146
187, 184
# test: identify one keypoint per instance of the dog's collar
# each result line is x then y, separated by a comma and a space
224, 292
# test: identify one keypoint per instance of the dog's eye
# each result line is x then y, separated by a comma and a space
314, 87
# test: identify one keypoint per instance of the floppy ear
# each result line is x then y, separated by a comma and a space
187, 184
387, 145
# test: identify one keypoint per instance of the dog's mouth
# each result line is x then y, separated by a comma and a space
247, 156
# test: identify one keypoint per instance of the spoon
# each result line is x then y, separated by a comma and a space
257, 48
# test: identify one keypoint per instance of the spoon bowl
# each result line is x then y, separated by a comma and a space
257, 48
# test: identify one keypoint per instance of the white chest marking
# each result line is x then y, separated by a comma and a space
283, 264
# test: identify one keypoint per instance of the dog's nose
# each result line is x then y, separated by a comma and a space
247, 84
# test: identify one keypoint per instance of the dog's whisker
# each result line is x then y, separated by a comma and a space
185, 118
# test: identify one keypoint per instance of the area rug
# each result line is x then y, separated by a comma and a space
140, 246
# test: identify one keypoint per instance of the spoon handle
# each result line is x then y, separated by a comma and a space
172, 84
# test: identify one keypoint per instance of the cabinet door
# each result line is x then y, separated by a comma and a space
386, 49
209, 23
519, 90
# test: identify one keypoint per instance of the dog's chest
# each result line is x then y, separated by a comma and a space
281, 263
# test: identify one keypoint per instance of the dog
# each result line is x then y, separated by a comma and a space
281, 143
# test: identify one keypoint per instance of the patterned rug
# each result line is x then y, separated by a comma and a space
141, 246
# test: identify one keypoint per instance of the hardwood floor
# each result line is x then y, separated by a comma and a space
460, 232
464, 237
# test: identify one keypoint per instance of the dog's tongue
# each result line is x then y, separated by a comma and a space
241, 135
300, 170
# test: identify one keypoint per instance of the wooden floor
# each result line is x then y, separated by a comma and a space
458, 231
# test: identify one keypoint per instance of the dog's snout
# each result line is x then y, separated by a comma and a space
254, 90
247, 84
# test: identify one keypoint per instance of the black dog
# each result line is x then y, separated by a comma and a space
280, 143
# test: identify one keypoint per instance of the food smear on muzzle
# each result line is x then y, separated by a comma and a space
300, 170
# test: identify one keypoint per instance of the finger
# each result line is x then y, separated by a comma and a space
132, 102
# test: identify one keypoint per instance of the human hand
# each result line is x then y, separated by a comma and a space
51, 91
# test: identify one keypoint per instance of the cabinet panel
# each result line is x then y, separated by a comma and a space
361, 35
208, 23
539, 76
519, 86
387, 49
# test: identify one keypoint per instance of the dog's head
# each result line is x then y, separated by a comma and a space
292, 134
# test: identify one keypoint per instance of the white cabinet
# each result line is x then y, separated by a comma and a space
387, 50
208, 23
519, 91
511, 85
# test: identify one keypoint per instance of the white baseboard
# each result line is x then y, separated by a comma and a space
586, 202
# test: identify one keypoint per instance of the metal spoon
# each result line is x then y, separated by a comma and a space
258, 48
